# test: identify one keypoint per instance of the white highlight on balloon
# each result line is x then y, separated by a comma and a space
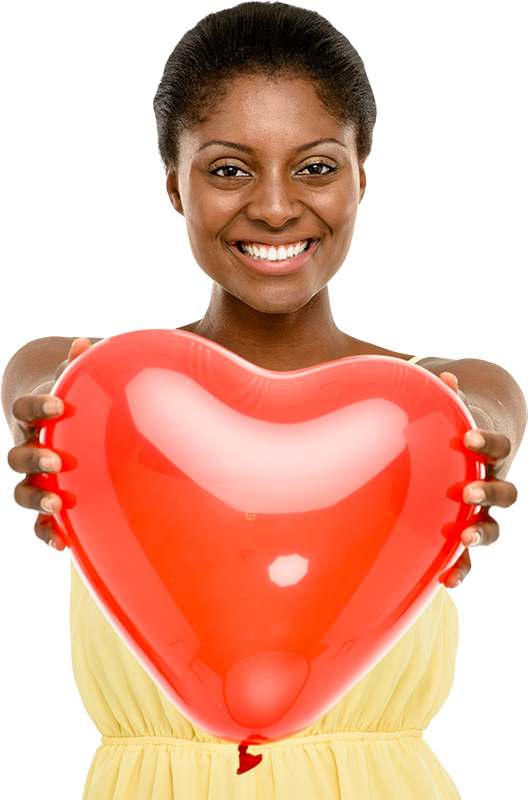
288, 570
265, 467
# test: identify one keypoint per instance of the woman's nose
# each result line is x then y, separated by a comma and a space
275, 201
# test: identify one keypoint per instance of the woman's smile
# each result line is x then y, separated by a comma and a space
275, 259
270, 204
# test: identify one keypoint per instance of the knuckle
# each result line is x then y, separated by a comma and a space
24, 408
13, 458
41, 529
490, 531
33, 460
21, 494
491, 491
464, 564
499, 445
19, 408
23, 458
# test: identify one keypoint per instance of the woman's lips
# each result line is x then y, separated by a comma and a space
284, 267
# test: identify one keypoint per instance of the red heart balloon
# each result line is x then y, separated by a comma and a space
259, 539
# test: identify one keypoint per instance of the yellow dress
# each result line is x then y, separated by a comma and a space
368, 747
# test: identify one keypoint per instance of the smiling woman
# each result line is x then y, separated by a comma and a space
265, 117
250, 191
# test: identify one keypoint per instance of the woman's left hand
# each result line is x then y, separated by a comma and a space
491, 491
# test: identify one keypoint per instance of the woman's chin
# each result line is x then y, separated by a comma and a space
276, 302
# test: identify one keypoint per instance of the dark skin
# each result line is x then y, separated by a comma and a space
244, 179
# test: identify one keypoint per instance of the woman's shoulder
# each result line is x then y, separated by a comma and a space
190, 328
356, 347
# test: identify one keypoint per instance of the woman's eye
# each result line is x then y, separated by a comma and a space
317, 169
229, 171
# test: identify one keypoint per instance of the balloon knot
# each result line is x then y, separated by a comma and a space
246, 761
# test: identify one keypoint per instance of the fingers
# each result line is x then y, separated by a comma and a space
30, 459
36, 407
46, 530
490, 493
78, 347
37, 499
450, 380
459, 571
483, 532
495, 446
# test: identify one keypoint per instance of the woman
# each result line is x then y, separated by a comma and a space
270, 212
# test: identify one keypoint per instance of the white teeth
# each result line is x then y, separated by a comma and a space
273, 253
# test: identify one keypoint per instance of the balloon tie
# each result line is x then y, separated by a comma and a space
246, 761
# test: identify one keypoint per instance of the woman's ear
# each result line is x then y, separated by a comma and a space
172, 190
362, 182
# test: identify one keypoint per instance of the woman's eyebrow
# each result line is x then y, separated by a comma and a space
317, 142
246, 149
234, 145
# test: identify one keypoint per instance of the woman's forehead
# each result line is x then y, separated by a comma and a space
259, 108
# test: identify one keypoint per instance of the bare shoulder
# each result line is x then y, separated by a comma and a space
356, 347
190, 327
481, 378
493, 396
478, 376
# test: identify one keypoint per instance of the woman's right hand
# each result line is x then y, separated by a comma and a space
32, 458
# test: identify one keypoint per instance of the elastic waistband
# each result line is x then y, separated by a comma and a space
297, 741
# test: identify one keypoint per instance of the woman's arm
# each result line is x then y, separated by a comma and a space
499, 408
493, 397
32, 371
28, 379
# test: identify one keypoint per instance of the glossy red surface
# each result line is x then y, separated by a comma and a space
259, 539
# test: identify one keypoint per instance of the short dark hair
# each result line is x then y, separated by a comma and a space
273, 39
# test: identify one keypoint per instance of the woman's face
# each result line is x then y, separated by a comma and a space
269, 186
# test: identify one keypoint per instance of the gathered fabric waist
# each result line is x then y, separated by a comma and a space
297, 741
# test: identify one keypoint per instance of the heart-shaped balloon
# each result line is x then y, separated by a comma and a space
259, 539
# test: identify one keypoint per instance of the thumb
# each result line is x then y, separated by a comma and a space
448, 378
78, 347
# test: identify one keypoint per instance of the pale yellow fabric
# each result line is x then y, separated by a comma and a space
368, 747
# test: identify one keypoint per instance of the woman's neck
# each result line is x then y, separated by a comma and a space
281, 342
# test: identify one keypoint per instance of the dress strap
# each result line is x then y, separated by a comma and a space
415, 360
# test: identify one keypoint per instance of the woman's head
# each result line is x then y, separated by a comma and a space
271, 39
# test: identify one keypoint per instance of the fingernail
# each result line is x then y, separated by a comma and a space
475, 440
52, 543
51, 408
475, 539
48, 463
456, 583
474, 495
46, 505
